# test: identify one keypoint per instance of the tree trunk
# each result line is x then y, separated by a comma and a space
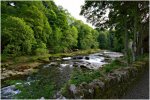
126, 41
135, 40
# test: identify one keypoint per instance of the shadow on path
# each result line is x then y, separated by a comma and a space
140, 90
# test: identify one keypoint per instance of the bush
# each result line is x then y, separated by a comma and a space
41, 51
4, 58
12, 50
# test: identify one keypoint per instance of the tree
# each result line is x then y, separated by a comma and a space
123, 15
17, 36
102, 40
51, 26
69, 38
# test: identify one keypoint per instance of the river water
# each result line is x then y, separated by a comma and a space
56, 74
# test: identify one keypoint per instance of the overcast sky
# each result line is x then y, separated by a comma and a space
73, 7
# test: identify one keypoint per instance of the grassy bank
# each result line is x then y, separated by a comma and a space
19, 59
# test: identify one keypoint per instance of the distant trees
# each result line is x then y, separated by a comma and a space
87, 37
37, 27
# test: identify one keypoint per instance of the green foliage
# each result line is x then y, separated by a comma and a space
102, 40
125, 19
80, 76
38, 27
69, 38
31, 90
17, 37
12, 82
87, 37
41, 51
4, 57
113, 65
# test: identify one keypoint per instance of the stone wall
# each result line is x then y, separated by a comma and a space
111, 86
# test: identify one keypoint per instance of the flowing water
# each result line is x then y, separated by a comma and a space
57, 73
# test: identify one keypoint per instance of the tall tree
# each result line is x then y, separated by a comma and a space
123, 16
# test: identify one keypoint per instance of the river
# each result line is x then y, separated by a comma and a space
52, 76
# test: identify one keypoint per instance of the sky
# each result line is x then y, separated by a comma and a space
73, 7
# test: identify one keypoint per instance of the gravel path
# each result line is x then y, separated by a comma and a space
139, 90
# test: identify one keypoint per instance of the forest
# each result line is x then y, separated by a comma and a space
46, 53
35, 28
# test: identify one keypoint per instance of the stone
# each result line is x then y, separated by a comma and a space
99, 83
42, 98
87, 58
20, 73
76, 64
58, 59
110, 81
4, 65
3, 69
72, 88
66, 58
83, 85
53, 64
83, 66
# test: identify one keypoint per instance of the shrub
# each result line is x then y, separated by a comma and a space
41, 51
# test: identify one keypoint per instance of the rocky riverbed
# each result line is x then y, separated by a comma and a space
57, 72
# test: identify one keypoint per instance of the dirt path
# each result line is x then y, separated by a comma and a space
139, 90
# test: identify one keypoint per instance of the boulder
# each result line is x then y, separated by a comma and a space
76, 64
85, 65
53, 64
66, 58
87, 58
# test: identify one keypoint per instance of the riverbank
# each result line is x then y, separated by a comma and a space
25, 65
109, 85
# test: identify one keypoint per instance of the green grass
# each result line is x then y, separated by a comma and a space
35, 90
79, 52
143, 57
80, 76
113, 65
